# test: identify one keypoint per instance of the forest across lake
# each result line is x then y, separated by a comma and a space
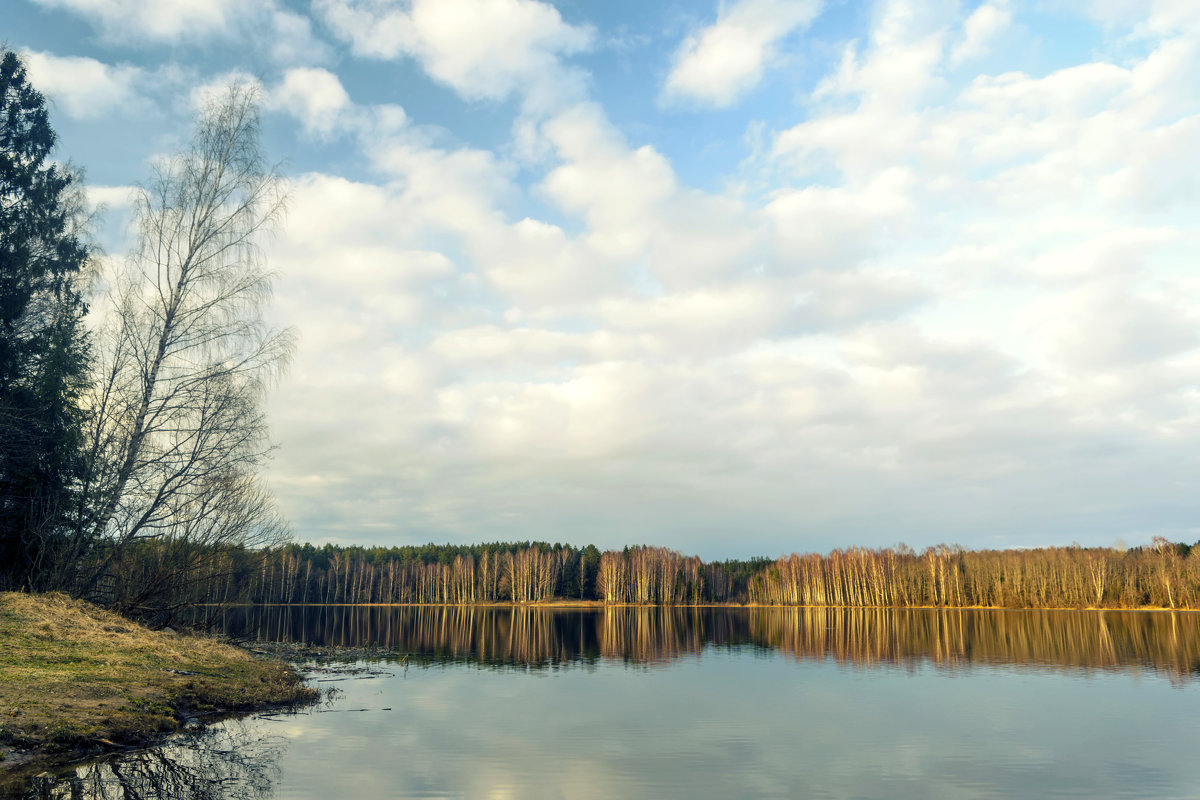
1162, 575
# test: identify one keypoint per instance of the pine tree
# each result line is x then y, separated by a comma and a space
43, 343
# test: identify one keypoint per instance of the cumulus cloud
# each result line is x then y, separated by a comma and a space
84, 88
139, 21
315, 97
837, 226
1110, 326
166, 21
965, 281
481, 48
1154, 18
945, 316
716, 65
291, 36
211, 90
112, 197
980, 30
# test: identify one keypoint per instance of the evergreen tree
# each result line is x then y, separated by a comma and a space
43, 343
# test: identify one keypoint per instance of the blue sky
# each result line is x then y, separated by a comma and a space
737, 278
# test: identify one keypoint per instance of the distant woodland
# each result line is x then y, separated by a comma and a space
1163, 575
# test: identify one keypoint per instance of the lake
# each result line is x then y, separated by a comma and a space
466, 702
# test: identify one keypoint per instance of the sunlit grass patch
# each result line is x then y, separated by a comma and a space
73, 675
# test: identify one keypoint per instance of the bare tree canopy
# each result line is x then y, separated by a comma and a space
184, 360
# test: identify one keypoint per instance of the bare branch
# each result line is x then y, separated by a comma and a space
186, 359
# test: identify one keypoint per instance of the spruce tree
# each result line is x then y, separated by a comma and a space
43, 342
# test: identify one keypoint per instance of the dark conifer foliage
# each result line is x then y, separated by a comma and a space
140, 456
43, 343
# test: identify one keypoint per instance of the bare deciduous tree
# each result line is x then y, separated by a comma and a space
185, 357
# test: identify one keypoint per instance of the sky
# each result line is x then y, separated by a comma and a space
735, 278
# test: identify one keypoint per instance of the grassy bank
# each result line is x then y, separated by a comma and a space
76, 679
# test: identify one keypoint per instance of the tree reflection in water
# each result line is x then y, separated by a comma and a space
539, 638
224, 762
229, 761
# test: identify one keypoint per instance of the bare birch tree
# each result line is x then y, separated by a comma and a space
185, 358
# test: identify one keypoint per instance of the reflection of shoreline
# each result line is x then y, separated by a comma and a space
953, 637
601, 604
532, 637
228, 761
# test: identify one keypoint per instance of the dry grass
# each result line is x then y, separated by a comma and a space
74, 677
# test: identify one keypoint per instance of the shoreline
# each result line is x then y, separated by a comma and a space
78, 682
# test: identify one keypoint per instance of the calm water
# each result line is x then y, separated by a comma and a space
497, 703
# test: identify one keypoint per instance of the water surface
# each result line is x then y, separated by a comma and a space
636, 702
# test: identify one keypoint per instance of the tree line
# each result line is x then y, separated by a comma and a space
519, 572
1162, 575
132, 430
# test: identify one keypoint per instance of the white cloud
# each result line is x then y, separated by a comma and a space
716, 65
1147, 17
537, 264
706, 321
1120, 252
808, 336
831, 227
595, 178
125, 19
110, 197
898, 73
315, 97
1112, 326
328, 214
481, 48
211, 90
635, 209
289, 36
954, 288
84, 88
980, 30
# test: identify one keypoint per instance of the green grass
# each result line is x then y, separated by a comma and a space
76, 677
